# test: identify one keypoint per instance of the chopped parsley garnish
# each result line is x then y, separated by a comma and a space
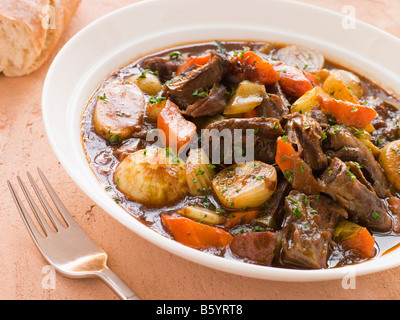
175, 55
220, 47
154, 100
103, 98
258, 229
115, 138
202, 94
291, 199
145, 72
230, 202
375, 215
289, 175
200, 172
297, 212
202, 219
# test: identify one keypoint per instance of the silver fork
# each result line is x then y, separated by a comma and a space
66, 246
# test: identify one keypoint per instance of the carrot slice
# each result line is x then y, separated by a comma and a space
286, 156
198, 61
251, 114
348, 113
293, 80
254, 68
295, 169
313, 79
241, 217
195, 234
178, 131
363, 242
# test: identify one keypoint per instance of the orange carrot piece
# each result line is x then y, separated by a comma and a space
313, 79
295, 169
241, 217
251, 114
292, 80
286, 156
178, 131
196, 60
363, 242
195, 234
255, 68
350, 114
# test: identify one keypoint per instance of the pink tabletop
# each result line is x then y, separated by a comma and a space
152, 272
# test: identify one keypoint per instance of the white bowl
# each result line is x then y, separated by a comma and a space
116, 39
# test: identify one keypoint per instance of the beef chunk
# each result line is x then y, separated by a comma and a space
277, 90
355, 169
394, 207
320, 117
275, 205
308, 229
363, 205
182, 91
273, 107
214, 103
386, 120
264, 131
306, 133
164, 66
345, 146
129, 146
256, 246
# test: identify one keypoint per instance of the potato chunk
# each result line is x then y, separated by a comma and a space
119, 111
308, 101
344, 85
389, 160
248, 96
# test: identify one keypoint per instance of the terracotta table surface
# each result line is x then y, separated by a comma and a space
152, 272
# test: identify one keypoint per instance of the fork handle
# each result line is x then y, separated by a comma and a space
117, 284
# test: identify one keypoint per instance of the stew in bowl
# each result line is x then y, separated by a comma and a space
260, 152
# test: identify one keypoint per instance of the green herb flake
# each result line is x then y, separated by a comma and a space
175, 55
375, 215
144, 73
202, 94
103, 97
297, 212
291, 199
154, 100
200, 172
115, 138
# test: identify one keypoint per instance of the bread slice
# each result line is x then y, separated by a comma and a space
29, 31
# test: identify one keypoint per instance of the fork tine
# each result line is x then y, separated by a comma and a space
35, 209
45, 204
68, 218
36, 235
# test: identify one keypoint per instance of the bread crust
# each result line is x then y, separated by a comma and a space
32, 16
